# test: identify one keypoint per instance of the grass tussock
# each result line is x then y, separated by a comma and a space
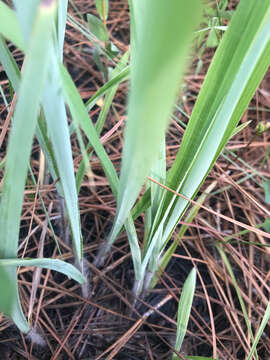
167, 233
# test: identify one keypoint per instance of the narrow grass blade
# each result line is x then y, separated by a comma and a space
102, 8
9, 26
81, 117
188, 219
7, 291
240, 128
26, 16
14, 75
184, 309
9, 64
117, 79
199, 358
22, 132
110, 93
264, 322
238, 292
61, 26
162, 33
58, 132
232, 79
52, 264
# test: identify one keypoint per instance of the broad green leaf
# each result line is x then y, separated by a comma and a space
102, 8
97, 27
22, 132
161, 36
184, 309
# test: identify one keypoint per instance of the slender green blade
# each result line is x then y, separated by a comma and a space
22, 132
264, 322
97, 27
199, 358
52, 264
232, 79
6, 290
9, 26
110, 93
9, 64
117, 79
14, 75
61, 25
184, 309
166, 257
26, 16
58, 132
102, 8
237, 289
161, 36
81, 118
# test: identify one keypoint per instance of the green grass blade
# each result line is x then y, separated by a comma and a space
9, 64
9, 26
81, 117
264, 322
184, 309
110, 93
14, 75
61, 26
26, 16
162, 33
58, 131
222, 100
240, 128
199, 358
117, 79
52, 264
22, 132
7, 291
188, 219
238, 292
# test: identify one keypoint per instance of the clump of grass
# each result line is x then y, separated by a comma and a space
33, 30
161, 36
235, 72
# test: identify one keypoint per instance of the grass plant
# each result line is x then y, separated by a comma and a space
161, 41
234, 74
